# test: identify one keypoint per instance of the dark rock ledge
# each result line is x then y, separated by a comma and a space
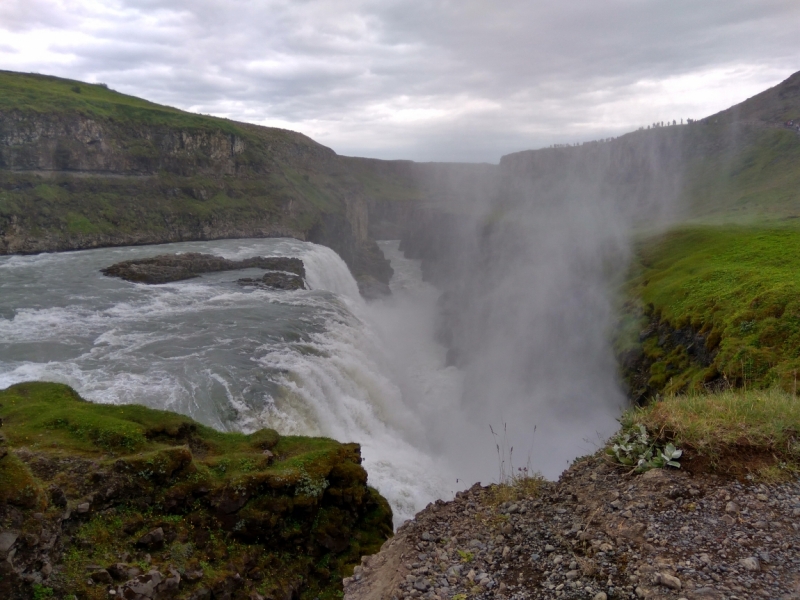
284, 273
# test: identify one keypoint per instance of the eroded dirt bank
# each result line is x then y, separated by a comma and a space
597, 533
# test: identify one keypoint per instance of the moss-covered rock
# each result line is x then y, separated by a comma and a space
98, 497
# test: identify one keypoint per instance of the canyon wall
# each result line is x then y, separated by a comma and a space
82, 166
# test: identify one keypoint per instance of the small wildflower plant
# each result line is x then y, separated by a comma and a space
308, 486
636, 448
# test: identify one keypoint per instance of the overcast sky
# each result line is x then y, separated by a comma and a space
466, 80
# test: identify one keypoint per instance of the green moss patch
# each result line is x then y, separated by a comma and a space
280, 516
729, 295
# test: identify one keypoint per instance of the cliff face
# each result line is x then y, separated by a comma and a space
82, 166
76, 143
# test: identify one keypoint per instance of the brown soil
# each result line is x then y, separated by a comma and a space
738, 463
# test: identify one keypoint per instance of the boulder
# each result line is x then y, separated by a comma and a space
7, 539
152, 539
101, 576
371, 288
275, 280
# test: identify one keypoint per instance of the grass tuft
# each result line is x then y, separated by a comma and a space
517, 488
734, 431
513, 484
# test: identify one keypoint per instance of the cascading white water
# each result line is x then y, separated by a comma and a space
310, 362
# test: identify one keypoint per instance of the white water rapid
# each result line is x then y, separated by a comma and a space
309, 362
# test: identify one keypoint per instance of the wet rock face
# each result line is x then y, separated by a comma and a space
285, 273
275, 280
79, 143
674, 346
372, 289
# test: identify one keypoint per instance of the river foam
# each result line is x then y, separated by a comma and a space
308, 362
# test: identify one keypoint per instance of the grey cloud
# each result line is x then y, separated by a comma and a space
487, 78
24, 15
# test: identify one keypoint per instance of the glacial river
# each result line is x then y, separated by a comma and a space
312, 362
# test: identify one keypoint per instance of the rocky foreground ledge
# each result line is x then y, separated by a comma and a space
598, 533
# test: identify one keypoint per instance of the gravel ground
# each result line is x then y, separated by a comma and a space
597, 533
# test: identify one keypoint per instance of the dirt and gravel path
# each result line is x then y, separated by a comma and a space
597, 533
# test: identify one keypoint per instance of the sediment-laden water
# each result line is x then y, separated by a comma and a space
311, 362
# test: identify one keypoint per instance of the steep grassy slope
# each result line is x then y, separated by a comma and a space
775, 106
713, 307
96, 497
742, 164
741, 175
712, 304
54, 95
84, 166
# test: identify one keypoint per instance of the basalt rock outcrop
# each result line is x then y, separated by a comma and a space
284, 273
663, 351
102, 502
274, 280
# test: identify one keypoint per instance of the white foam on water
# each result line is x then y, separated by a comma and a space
344, 383
325, 270
312, 362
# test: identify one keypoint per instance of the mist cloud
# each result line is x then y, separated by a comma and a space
434, 80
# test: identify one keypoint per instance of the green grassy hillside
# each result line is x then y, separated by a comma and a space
712, 304
28, 92
734, 294
743, 174
743, 164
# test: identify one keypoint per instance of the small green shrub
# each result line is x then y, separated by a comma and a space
222, 466
308, 486
41, 592
465, 555
635, 448
247, 465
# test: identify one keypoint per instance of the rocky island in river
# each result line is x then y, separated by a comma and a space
282, 273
